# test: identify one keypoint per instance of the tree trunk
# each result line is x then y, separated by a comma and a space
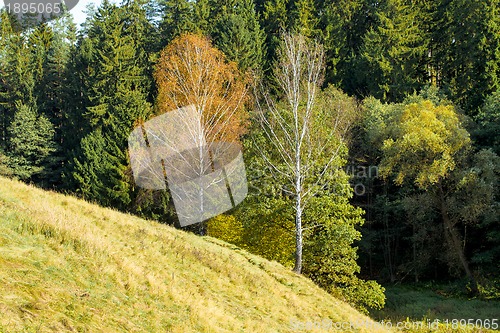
454, 239
298, 213
298, 236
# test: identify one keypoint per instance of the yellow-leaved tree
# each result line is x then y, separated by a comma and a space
426, 144
192, 73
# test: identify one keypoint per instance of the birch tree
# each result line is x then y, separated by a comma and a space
194, 76
191, 71
306, 136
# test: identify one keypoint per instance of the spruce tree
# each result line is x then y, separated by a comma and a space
30, 144
393, 50
238, 35
52, 89
16, 74
177, 18
470, 60
343, 25
6, 32
305, 18
274, 17
117, 83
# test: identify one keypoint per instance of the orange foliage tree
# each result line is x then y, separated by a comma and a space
195, 77
190, 71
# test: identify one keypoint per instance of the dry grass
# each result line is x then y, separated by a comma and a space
69, 266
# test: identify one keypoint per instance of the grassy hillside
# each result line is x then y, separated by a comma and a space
69, 266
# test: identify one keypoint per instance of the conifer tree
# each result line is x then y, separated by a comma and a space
392, 50
30, 143
238, 35
471, 60
52, 89
16, 75
343, 25
50, 49
6, 32
304, 18
177, 18
117, 83
274, 17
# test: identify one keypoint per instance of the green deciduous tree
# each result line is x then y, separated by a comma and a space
327, 219
427, 146
329, 254
289, 124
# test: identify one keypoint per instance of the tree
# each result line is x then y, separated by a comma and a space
302, 203
301, 133
192, 73
30, 143
51, 47
237, 33
424, 144
343, 24
177, 19
6, 32
487, 132
274, 19
470, 60
305, 18
116, 87
17, 80
393, 50
330, 257
5, 170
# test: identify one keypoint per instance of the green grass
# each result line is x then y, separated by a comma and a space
431, 303
70, 266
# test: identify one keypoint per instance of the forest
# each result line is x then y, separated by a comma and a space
370, 130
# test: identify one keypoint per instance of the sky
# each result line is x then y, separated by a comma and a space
78, 11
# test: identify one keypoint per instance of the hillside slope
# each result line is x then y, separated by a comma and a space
69, 266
